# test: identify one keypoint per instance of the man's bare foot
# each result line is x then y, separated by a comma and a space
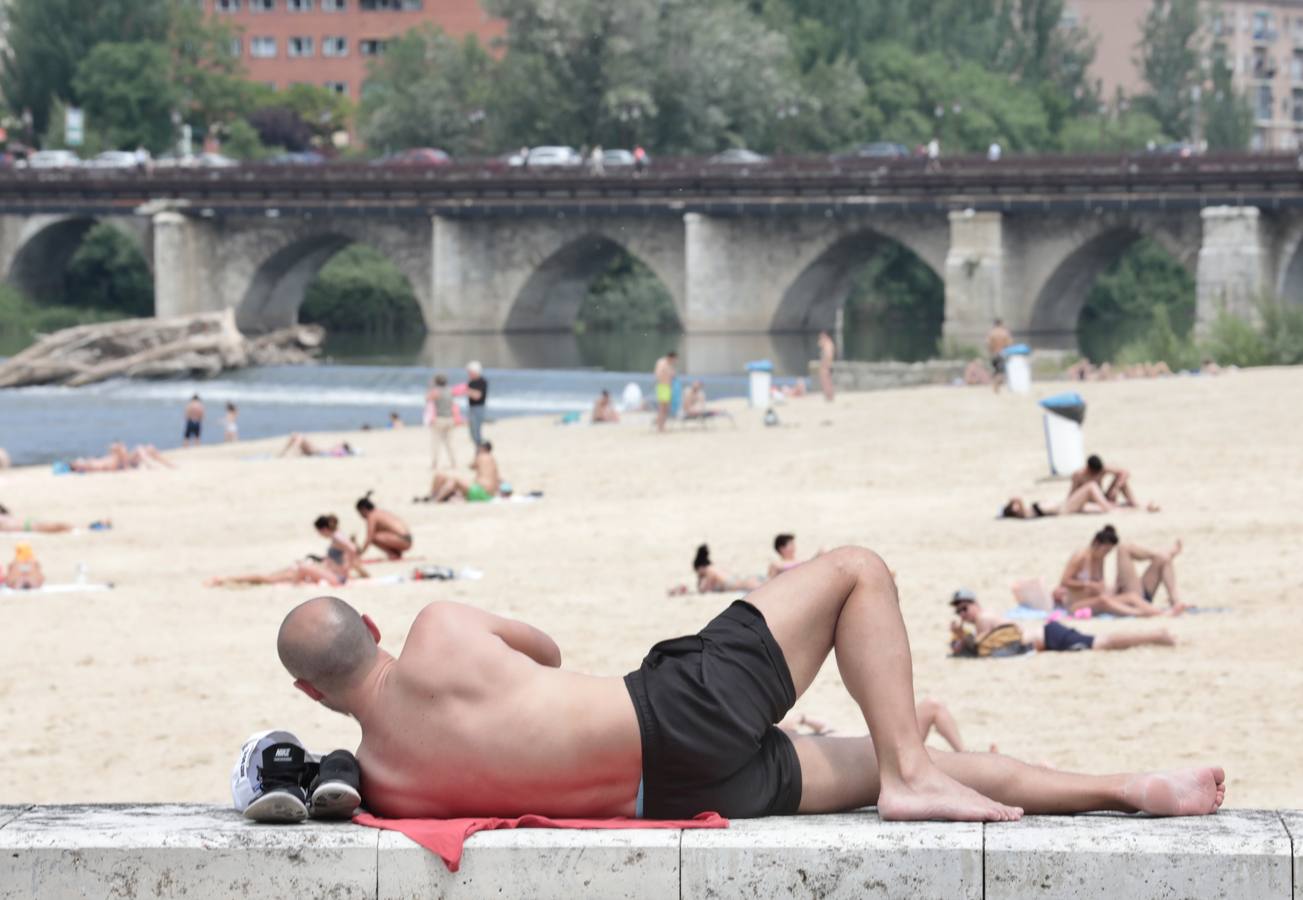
1182, 792
936, 796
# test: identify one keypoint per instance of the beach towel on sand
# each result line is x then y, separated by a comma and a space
447, 837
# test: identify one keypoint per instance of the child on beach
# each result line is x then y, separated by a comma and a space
24, 572
232, 428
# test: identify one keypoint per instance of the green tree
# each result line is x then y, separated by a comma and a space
208, 75
108, 273
1130, 131
360, 292
627, 298
49, 39
1228, 117
428, 90
1170, 51
1120, 308
128, 94
321, 109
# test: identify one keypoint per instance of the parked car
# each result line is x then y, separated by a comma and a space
415, 156
878, 150
547, 157
738, 156
52, 159
1183, 149
301, 158
617, 159
114, 159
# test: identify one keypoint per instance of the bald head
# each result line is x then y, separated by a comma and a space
325, 643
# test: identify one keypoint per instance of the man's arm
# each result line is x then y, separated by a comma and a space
456, 619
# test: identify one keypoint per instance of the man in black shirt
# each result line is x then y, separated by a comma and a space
477, 394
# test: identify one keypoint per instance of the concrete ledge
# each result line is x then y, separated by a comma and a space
201, 852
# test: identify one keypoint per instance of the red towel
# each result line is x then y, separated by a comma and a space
447, 837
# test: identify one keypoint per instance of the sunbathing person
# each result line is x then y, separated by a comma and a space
300, 445
694, 403
711, 579
10, 522
24, 572
1051, 636
1088, 499
1118, 490
691, 730
484, 487
785, 547
384, 529
333, 570
604, 410
1082, 584
119, 459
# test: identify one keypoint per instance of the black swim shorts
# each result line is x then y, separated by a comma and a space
1061, 637
192, 427
707, 705
997, 364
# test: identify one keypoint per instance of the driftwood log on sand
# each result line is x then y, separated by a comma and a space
194, 346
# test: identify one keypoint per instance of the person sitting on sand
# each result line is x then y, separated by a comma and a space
604, 410
664, 742
384, 529
301, 446
341, 560
694, 404
1119, 489
977, 372
24, 572
1044, 636
10, 522
711, 579
481, 489
1082, 584
1089, 499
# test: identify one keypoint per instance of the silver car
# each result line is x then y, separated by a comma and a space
52, 159
542, 157
114, 159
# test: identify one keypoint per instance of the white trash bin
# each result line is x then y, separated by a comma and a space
1065, 442
761, 374
1017, 368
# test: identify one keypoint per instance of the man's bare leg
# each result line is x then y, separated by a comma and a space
1087, 493
933, 714
846, 600
1125, 640
1161, 571
834, 778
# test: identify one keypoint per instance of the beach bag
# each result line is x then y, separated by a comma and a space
1003, 640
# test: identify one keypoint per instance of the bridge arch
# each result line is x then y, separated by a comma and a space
1289, 278
813, 298
36, 261
1065, 270
554, 292
282, 262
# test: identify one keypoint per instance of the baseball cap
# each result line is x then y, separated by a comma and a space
963, 595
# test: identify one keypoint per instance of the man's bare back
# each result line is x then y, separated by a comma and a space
464, 722
997, 339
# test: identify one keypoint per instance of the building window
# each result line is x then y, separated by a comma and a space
237, 47
339, 87
334, 46
1264, 67
1296, 66
262, 47
371, 5
334, 5
1263, 27
298, 46
1262, 103
371, 46
228, 6
298, 5
262, 5
1296, 110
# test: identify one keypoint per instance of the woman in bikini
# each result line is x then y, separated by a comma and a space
384, 529
10, 522
713, 580
1082, 585
1087, 499
340, 561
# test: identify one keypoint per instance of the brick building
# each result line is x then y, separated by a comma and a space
1263, 39
330, 42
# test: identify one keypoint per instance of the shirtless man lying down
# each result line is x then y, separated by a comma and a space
477, 717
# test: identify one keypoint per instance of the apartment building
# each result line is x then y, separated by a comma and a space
1262, 39
330, 43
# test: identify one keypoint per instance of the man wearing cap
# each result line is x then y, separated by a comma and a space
1050, 635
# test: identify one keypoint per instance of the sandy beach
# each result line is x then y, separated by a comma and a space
144, 693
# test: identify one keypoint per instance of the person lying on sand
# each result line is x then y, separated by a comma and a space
10, 522
482, 488
1119, 489
341, 560
1082, 584
1088, 499
713, 580
604, 410
299, 445
1045, 636
24, 572
442, 722
932, 715
119, 459
384, 529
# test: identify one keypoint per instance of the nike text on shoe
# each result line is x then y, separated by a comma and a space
281, 797
337, 790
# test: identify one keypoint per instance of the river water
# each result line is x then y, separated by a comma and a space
361, 381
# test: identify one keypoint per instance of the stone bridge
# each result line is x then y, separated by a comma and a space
771, 249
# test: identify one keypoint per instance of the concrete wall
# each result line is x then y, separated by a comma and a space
208, 852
